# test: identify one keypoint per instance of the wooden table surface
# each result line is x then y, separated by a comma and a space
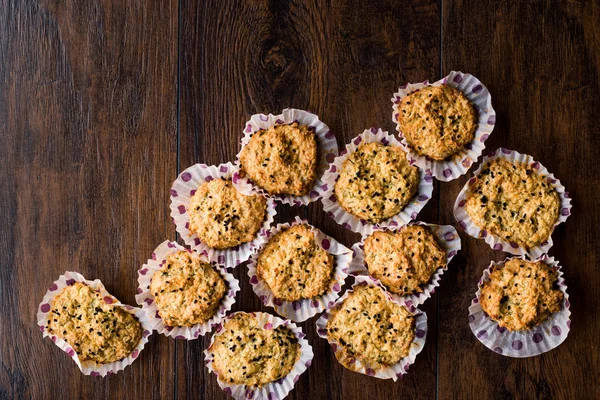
103, 103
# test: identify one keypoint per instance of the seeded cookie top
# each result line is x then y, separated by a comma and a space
513, 202
294, 266
372, 328
437, 121
521, 295
97, 331
281, 159
245, 353
186, 290
405, 260
222, 217
376, 182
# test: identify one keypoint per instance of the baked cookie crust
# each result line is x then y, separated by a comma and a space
281, 159
376, 182
404, 260
186, 290
294, 266
520, 295
371, 328
437, 121
247, 354
513, 202
222, 217
97, 331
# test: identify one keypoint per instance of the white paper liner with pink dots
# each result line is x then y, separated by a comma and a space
185, 187
90, 367
393, 371
495, 242
458, 164
446, 236
275, 390
333, 208
146, 299
519, 344
327, 150
301, 310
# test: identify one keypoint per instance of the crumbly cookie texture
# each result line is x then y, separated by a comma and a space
376, 182
97, 331
405, 260
437, 121
513, 202
246, 353
186, 290
282, 159
222, 217
372, 328
520, 295
294, 266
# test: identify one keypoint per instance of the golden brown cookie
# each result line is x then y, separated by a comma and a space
437, 121
371, 328
186, 290
281, 159
245, 353
97, 331
405, 260
222, 217
294, 266
520, 295
376, 182
513, 202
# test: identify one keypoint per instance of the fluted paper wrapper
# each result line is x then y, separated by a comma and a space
393, 371
519, 344
495, 242
275, 390
447, 238
349, 221
459, 163
90, 367
185, 187
146, 299
327, 150
302, 310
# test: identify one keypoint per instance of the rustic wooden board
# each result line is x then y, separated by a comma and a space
103, 103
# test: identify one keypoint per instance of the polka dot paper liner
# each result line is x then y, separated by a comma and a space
495, 242
275, 390
302, 310
146, 299
446, 236
333, 208
519, 344
92, 368
459, 163
393, 371
185, 187
327, 150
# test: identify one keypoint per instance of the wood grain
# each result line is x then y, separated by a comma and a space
87, 123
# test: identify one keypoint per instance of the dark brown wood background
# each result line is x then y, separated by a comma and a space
102, 103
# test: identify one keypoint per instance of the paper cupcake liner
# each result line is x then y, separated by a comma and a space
327, 150
393, 371
275, 390
458, 164
146, 299
447, 237
302, 310
184, 188
519, 344
497, 243
349, 221
90, 367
